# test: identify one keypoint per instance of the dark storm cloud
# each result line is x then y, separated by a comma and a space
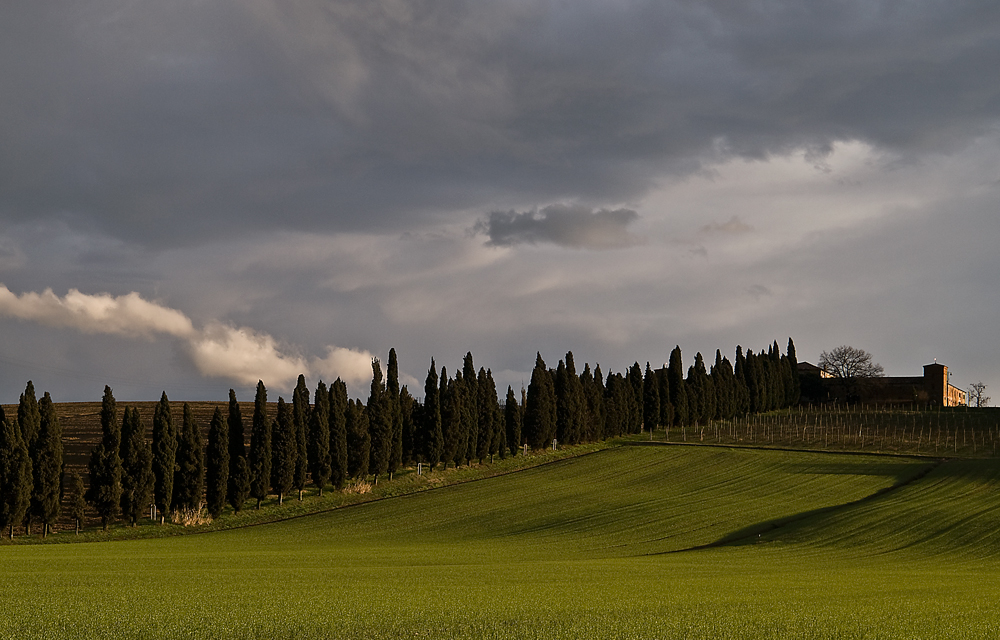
565, 225
180, 122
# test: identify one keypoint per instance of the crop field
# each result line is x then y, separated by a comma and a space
626, 542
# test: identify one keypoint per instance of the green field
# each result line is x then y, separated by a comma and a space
627, 542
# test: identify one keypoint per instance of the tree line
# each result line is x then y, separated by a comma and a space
326, 438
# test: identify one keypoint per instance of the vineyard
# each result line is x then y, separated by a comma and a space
957, 431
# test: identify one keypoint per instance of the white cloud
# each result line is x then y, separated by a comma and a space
243, 355
353, 367
128, 315
218, 350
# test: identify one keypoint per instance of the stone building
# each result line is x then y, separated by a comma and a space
931, 389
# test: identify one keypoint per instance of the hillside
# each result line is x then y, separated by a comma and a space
820, 546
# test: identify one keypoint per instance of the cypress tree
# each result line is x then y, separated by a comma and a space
564, 403
621, 390
608, 402
338, 434
284, 449
358, 440
752, 374
701, 394
15, 476
781, 377
466, 436
137, 467
586, 381
77, 500
774, 394
486, 416
28, 417
695, 400
432, 436
512, 421
539, 424
379, 423
578, 403
240, 484
678, 390
600, 418
718, 385
733, 390
470, 408
237, 486
741, 393
615, 411
775, 388
29, 422
50, 464
106, 464
634, 377
164, 456
650, 399
319, 438
451, 418
449, 428
761, 370
593, 421
724, 383
499, 446
710, 407
395, 413
260, 447
300, 415
189, 479
666, 407
217, 464
491, 405
793, 364
570, 402
409, 420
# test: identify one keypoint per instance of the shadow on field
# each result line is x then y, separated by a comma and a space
753, 533
847, 466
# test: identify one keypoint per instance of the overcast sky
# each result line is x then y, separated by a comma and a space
195, 195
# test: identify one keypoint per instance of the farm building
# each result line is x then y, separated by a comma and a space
930, 389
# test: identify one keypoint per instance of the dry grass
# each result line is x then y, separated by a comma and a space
359, 487
191, 517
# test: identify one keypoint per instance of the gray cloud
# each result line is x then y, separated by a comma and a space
307, 168
732, 226
565, 225
758, 291
175, 123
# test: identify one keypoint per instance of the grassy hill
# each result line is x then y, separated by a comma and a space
955, 432
614, 544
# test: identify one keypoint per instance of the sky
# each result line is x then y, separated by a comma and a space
196, 195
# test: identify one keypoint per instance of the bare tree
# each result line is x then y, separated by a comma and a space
850, 362
977, 395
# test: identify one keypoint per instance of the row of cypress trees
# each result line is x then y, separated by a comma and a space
335, 438
460, 419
